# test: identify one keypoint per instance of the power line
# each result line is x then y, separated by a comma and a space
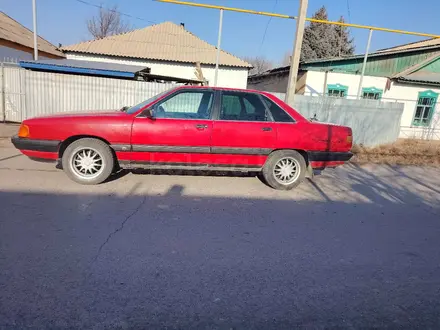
115, 11
267, 26
348, 10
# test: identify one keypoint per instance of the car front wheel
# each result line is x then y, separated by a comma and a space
88, 161
284, 169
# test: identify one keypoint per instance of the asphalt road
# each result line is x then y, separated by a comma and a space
359, 247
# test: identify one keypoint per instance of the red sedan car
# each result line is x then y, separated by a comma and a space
197, 128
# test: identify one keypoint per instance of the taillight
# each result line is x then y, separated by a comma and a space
350, 136
23, 132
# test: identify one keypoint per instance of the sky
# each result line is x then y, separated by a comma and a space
64, 21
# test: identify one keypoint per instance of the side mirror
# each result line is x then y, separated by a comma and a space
148, 113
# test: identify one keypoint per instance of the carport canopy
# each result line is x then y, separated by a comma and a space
86, 68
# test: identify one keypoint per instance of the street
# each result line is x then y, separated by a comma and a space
357, 247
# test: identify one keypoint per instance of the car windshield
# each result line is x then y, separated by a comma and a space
139, 106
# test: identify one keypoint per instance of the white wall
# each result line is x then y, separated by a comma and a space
227, 76
409, 95
403, 93
315, 82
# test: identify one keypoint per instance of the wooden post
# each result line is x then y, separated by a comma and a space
294, 64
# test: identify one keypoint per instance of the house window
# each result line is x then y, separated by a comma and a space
425, 108
337, 90
372, 93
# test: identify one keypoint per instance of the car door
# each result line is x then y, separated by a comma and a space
179, 132
243, 132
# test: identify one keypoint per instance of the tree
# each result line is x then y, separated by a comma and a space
317, 38
344, 44
259, 63
108, 22
325, 40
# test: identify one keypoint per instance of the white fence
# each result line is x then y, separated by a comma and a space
27, 94
329, 109
373, 122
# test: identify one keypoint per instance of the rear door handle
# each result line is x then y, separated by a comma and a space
266, 129
201, 126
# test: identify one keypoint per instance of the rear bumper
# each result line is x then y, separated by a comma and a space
35, 145
328, 156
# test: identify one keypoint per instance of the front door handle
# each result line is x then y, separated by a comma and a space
201, 126
266, 129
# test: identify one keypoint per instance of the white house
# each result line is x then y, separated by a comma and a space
167, 49
409, 74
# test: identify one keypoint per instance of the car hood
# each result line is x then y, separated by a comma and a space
99, 113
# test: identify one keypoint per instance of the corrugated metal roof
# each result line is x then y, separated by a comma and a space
422, 77
281, 69
85, 67
13, 31
431, 44
412, 45
166, 41
361, 56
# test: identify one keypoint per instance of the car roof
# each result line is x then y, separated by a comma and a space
222, 89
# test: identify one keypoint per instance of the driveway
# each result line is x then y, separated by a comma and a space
355, 247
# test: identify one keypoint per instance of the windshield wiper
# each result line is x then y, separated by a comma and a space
124, 108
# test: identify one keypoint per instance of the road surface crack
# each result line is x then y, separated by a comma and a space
121, 227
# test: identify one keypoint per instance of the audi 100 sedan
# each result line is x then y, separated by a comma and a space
188, 127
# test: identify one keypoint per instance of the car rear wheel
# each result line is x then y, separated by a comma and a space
88, 161
284, 169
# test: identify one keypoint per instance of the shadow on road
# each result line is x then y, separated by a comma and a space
100, 259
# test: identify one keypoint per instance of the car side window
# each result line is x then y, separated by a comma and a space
186, 105
278, 114
242, 107
231, 107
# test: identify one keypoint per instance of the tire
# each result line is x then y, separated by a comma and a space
96, 170
284, 159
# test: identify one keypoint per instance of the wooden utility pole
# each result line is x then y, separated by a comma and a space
294, 63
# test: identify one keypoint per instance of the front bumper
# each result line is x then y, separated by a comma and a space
35, 145
329, 156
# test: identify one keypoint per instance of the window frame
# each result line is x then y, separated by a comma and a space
273, 118
425, 94
337, 87
186, 90
372, 90
219, 107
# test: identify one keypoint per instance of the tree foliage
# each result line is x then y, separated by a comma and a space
108, 22
344, 43
326, 40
